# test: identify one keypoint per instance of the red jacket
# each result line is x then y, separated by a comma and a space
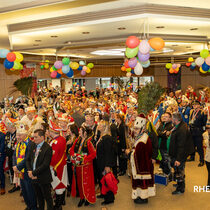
109, 183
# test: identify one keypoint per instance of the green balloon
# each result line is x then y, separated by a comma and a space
53, 67
204, 53
168, 65
42, 66
17, 65
131, 52
90, 65
209, 70
65, 61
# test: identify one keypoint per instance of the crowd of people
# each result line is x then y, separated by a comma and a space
78, 144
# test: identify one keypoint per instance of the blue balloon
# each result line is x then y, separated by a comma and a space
132, 71
205, 67
3, 53
65, 69
145, 65
82, 63
80, 68
71, 73
193, 64
58, 76
7, 64
151, 49
192, 67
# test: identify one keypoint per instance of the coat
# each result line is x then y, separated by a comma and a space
109, 183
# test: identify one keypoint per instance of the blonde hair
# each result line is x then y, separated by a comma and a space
106, 130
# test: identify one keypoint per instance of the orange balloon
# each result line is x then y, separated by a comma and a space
60, 71
123, 68
157, 43
171, 71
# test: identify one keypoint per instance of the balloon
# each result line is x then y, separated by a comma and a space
65, 61
132, 42
51, 69
146, 64
132, 62
65, 69
7, 64
3, 53
83, 73
74, 65
12, 69
19, 57
144, 47
205, 67
192, 67
126, 64
193, 64
204, 53
132, 71
171, 70
143, 57
176, 70
178, 65
190, 59
131, 52
199, 61
128, 74
90, 65
88, 70
46, 66
46, 61
151, 49
58, 64
174, 66
42, 67
11, 57
16, 65
53, 74
157, 43
58, 76
128, 69
207, 60
202, 71
80, 68
138, 70
168, 65
70, 73
59, 71
188, 64
21, 66
123, 68
84, 68
82, 63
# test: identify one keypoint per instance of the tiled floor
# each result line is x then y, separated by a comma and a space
163, 200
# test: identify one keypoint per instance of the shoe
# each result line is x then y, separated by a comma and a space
106, 202
122, 173
140, 201
81, 202
14, 189
87, 203
2, 191
100, 196
177, 192
201, 164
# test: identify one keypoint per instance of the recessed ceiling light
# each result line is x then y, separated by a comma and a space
194, 29
160, 27
121, 28
174, 45
54, 36
69, 42
35, 44
85, 32
38, 40
188, 46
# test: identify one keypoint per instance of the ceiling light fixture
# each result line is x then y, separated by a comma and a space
35, 44
38, 40
194, 29
54, 36
121, 28
160, 27
85, 32
174, 45
188, 46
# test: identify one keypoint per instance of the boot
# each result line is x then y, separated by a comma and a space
63, 198
58, 202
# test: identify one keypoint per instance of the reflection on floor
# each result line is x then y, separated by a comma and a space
163, 200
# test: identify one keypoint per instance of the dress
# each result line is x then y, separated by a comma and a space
142, 169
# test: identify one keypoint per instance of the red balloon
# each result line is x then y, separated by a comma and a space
188, 64
132, 42
126, 64
11, 56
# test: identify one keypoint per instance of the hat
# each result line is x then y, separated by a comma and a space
63, 117
53, 127
196, 102
71, 121
10, 121
31, 109
140, 121
2, 128
20, 127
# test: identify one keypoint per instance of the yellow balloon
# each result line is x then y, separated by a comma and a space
51, 69
46, 65
19, 57
190, 59
88, 70
202, 71
46, 61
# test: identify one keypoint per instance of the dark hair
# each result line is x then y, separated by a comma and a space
74, 129
45, 126
87, 130
120, 116
40, 132
168, 113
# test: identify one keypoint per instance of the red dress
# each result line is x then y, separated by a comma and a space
58, 163
83, 166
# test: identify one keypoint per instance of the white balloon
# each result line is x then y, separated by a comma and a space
199, 61
138, 70
128, 74
144, 47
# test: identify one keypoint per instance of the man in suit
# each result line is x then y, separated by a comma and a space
38, 165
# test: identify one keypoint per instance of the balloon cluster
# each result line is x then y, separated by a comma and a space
173, 68
45, 64
203, 61
66, 67
75, 84
191, 63
13, 59
138, 53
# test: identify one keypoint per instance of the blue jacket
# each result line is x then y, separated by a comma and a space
185, 112
2, 145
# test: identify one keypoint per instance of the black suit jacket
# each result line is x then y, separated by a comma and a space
42, 170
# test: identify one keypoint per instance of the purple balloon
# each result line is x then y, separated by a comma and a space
132, 62
83, 73
143, 57
174, 66
58, 64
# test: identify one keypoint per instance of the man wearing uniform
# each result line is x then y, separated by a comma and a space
184, 110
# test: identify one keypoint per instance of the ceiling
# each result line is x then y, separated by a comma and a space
97, 29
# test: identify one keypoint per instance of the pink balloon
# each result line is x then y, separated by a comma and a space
144, 47
143, 57
174, 66
53, 74
84, 68
208, 60
132, 62
83, 73
58, 64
